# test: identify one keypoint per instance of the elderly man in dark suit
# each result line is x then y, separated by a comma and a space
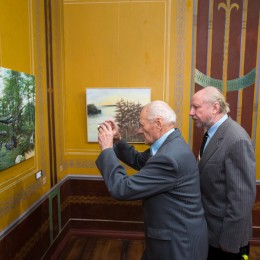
167, 181
228, 176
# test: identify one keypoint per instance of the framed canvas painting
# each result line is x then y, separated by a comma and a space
122, 105
17, 117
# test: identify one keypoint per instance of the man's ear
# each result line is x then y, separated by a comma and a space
216, 108
159, 122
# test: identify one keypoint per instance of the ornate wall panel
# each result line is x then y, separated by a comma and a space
22, 48
227, 54
116, 44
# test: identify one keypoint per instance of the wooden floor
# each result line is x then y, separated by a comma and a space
254, 253
92, 248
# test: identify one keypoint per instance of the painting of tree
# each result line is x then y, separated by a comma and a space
17, 117
122, 105
127, 117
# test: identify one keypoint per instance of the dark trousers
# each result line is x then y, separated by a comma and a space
218, 254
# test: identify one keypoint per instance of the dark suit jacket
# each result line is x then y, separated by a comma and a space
168, 184
228, 186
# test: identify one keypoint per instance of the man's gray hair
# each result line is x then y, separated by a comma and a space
214, 95
162, 110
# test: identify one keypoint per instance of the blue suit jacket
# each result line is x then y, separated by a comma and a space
228, 186
168, 184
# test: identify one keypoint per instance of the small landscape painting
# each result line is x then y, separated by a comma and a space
123, 105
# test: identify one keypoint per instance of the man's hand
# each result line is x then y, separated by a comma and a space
105, 135
116, 131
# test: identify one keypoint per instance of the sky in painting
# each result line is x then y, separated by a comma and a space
105, 97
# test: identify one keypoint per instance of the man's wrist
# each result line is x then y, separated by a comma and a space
117, 138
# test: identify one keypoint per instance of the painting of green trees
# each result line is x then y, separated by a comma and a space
17, 117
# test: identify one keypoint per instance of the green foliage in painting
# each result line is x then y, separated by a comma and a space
17, 117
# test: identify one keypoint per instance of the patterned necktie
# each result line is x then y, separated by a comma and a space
205, 137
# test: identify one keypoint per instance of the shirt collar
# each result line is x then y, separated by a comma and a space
212, 130
157, 144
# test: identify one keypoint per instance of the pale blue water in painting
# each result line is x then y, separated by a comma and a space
107, 113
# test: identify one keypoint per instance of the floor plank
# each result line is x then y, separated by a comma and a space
133, 248
254, 253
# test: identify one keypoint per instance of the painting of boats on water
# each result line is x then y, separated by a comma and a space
17, 117
123, 105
